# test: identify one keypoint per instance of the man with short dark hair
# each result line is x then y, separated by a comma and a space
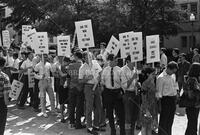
89, 74
163, 58
196, 56
76, 97
26, 66
111, 81
4, 92
44, 69
129, 79
175, 54
184, 66
167, 91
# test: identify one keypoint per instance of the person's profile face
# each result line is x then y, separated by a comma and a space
45, 57
174, 53
30, 56
113, 63
195, 52
174, 71
102, 46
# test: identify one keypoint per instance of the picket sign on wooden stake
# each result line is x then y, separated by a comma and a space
74, 39
16, 88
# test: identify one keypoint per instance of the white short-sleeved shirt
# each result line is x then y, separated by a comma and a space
85, 70
43, 70
26, 64
166, 85
126, 75
106, 77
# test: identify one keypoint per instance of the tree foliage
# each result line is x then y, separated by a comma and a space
109, 17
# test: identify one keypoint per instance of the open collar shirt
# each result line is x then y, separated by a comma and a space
126, 75
166, 85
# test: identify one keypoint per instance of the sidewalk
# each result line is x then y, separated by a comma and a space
27, 122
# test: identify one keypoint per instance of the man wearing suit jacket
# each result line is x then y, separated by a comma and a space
184, 66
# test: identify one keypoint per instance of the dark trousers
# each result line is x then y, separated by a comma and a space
3, 115
25, 91
132, 109
14, 77
76, 102
192, 116
168, 108
36, 99
114, 101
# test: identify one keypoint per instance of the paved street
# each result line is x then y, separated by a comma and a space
27, 122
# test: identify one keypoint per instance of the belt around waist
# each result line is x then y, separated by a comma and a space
172, 97
89, 84
127, 91
114, 90
46, 79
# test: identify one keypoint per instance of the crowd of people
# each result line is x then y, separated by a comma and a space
99, 88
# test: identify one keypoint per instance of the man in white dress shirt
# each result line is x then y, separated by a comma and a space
26, 65
45, 84
111, 80
167, 88
15, 67
89, 76
131, 101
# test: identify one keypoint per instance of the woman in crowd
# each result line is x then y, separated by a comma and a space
63, 86
56, 67
191, 90
149, 102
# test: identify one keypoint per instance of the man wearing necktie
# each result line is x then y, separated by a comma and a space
111, 82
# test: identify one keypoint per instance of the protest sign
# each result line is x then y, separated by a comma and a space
125, 44
31, 78
153, 48
63, 46
16, 88
1, 42
85, 34
25, 30
31, 38
6, 38
113, 46
41, 43
136, 47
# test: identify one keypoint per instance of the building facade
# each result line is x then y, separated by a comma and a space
189, 28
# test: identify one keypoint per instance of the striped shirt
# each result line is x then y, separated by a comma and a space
4, 84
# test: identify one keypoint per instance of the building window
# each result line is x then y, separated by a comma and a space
194, 41
189, 8
184, 41
194, 9
2, 13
